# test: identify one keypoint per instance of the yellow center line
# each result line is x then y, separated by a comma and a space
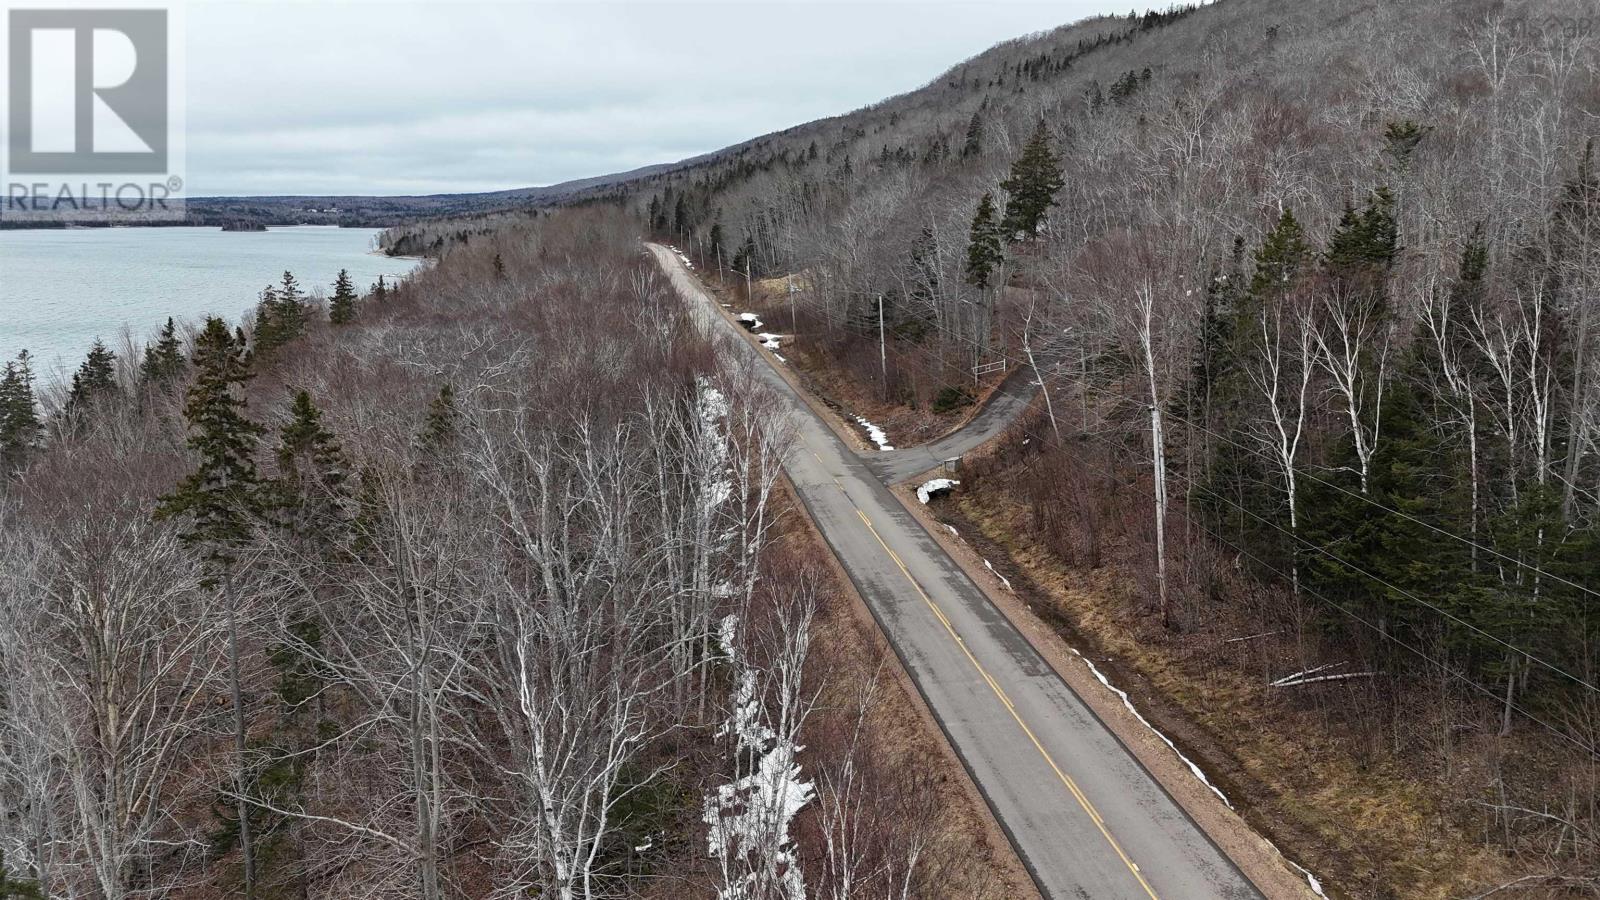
1072, 786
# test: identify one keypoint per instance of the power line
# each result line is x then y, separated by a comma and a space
1203, 489
1307, 473
1381, 632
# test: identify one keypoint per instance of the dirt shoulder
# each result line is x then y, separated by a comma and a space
970, 855
1370, 824
1257, 857
818, 373
973, 858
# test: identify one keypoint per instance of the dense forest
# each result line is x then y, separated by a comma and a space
1312, 293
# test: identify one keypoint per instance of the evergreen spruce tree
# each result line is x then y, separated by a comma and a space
379, 291
1377, 561
310, 492
1096, 97
1244, 494
17, 888
746, 255
95, 380
680, 217
984, 251
974, 142
342, 307
280, 315
291, 307
1281, 259
716, 249
439, 428
220, 502
268, 331
222, 497
19, 413
1035, 180
1400, 142
1362, 248
164, 360
309, 499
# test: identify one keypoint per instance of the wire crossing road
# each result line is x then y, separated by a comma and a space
1086, 818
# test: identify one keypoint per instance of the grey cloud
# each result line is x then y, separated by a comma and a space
438, 97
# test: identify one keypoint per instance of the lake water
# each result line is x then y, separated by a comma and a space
60, 289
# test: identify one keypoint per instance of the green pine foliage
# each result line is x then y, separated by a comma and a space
746, 257
984, 247
310, 494
973, 145
221, 499
94, 382
439, 428
716, 249
164, 361
17, 888
1362, 249
280, 315
19, 413
1355, 563
1281, 260
342, 306
1035, 179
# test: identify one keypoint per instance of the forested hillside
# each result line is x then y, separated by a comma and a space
482, 584
1313, 290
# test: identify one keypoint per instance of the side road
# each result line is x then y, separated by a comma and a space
1087, 819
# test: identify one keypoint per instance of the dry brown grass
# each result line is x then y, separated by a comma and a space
1370, 824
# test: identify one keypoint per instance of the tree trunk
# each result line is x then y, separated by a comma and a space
246, 847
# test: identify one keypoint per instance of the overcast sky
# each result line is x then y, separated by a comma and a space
426, 97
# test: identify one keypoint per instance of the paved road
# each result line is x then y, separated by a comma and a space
1002, 407
1086, 818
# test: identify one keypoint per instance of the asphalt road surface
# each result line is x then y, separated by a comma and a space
1086, 818
1001, 409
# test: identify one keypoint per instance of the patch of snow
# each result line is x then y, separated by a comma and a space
953, 530
1311, 880
779, 357
769, 340
875, 434
1303, 673
1003, 580
713, 464
1196, 770
927, 489
749, 320
752, 815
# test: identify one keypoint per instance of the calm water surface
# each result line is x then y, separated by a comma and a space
60, 289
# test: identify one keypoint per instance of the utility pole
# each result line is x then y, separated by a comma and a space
794, 329
883, 353
749, 293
